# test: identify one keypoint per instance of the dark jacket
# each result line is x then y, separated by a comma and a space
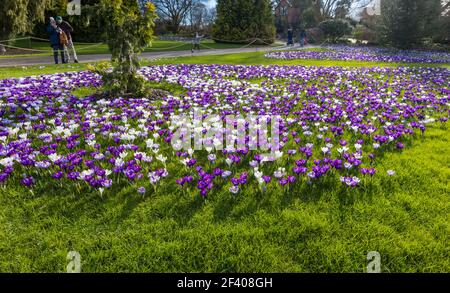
67, 28
303, 34
54, 35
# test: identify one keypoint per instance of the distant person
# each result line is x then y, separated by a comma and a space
55, 42
302, 38
67, 29
196, 43
290, 36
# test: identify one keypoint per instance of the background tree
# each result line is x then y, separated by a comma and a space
143, 3
244, 20
210, 18
335, 29
402, 21
437, 20
20, 16
444, 19
174, 12
407, 22
129, 31
197, 16
301, 14
335, 8
296, 14
87, 26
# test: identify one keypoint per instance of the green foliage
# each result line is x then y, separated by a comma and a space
402, 22
309, 17
334, 29
82, 92
406, 22
88, 26
363, 33
296, 14
436, 26
129, 31
19, 16
315, 36
241, 21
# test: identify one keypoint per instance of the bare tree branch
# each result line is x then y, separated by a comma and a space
174, 12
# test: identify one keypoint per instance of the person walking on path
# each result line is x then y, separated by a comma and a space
67, 29
302, 38
196, 43
55, 42
290, 36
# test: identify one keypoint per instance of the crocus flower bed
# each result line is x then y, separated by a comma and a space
365, 53
336, 122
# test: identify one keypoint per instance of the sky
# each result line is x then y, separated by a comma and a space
210, 3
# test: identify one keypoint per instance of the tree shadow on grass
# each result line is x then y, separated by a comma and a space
236, 207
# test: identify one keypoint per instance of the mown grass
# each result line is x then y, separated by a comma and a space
21, 71
257, 58
313, 229
90, 48
318, 228
252, 58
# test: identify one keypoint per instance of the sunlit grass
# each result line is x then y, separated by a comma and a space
319, 228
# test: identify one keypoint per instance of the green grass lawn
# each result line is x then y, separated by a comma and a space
257, 58
251, 58
89, 48
320, 228
314, 229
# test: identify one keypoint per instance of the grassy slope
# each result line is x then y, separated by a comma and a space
324, 228
321, 228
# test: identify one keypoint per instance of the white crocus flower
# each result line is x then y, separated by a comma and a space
54, 157
149, 143
161, 158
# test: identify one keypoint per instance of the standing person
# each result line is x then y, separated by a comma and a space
67, 29
196, 42
290, 36
54, 32
302, 37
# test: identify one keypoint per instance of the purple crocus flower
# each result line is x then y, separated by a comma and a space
235, 181
3, 177
57, 175
141, 190
27, 181
191, 162
299, 170
283, 181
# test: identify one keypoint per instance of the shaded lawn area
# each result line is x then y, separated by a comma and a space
320, 228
